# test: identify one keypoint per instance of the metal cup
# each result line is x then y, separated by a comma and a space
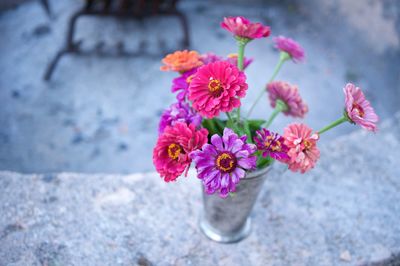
226, 220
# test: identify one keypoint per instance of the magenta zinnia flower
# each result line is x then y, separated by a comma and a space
181, 84
242, 27
289, 95
171, 153
224, 162
358, 109
178, 112
302, 144
233, 59
271, 144
217, 87
291, 47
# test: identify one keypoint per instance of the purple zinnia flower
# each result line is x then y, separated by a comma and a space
271, 144
291, 47
178, 112
210, 58
224, 162
181, 84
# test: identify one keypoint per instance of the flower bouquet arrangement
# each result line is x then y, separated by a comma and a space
206, 125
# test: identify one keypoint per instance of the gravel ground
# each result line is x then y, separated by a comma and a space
101, 114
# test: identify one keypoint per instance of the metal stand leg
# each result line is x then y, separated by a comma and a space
185, 28
46, 6
70, 46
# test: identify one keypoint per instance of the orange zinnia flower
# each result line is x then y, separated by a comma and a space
181, 61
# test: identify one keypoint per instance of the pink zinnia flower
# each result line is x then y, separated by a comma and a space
291, 47
217, 87
181, 84
289, 95
171, 153
358, 109
271, 144
221, 164
302, 144
242, 27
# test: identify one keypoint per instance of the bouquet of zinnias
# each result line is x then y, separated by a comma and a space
206, 125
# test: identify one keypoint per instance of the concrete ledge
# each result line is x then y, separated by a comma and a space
345, 212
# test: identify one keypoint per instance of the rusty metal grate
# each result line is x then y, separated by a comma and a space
126, 9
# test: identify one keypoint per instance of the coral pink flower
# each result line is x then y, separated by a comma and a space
358, 109
181, 61
289, 95
171, 153
302, 144
242, 27
291, 47
217, 87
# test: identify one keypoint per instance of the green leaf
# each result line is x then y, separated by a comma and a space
214, 126
210, 126
263, 162
221, 124
255, 124
246, 128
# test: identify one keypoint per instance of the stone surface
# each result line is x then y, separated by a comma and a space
345, 212
98, 113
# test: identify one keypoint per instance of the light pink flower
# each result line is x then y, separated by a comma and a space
242, 27
289, 94
358, 109
302, 144
217, 87
171, 153
291, 47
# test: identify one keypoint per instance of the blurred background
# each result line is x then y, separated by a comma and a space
99, 110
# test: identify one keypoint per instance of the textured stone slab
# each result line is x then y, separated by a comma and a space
346, 212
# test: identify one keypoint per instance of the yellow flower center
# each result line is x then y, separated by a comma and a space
359, 110
307, 144
189, 79
232, 55
174, 150
215, 87
276, 146
226, 162
273, 145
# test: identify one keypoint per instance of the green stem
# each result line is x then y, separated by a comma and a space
240, 58
240, 64
229, 117
282, 58
334, 124
279, 107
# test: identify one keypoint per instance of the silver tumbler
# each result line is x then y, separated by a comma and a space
227, 220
